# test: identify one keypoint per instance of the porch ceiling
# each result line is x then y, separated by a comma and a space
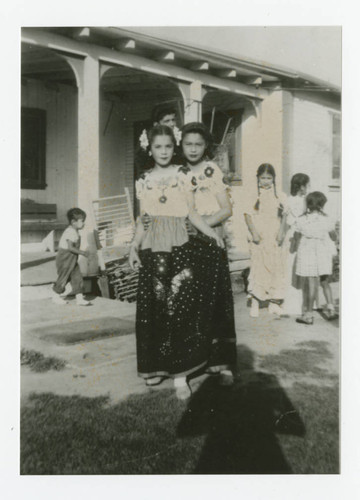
44, 64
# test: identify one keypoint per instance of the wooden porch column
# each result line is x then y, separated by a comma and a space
88, 154
88, 135
192, 94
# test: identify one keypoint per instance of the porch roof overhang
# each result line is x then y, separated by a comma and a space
195, 62
110, 57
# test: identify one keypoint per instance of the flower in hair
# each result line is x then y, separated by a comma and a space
177, 135
143, 139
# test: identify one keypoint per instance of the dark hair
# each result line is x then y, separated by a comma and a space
75, 214
201, 129
267, 168
297, 182
157, 130
143, 158
315, 202
162, 110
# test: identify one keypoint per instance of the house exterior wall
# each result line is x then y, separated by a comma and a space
311, 148
60, 104
262, 137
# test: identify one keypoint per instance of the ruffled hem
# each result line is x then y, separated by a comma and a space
164, 233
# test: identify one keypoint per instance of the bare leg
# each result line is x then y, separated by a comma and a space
324, 281
305, 294
312, 283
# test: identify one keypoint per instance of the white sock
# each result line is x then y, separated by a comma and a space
228, 373
180, 382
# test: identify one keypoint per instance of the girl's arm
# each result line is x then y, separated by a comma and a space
200, 224
282, 230
223, 214
73, 249
255, 235
134, 259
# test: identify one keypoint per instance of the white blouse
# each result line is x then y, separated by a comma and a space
207, 182
165, 192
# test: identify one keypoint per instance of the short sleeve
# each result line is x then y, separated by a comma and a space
140, 188
249, 201
216, 178
299, 224
186, 180
71, 235
329, 223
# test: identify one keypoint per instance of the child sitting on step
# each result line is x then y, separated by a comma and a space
67, 259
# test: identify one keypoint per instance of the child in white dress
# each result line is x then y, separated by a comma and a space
265, 218
299, 186
315, 255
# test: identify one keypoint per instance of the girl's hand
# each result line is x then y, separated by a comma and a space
85, 253
134, 259
256, 238
219, 241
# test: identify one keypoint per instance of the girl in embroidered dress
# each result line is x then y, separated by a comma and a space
212, 202
265, 218
169, 340
314, 256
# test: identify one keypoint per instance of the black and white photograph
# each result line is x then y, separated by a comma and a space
180, 250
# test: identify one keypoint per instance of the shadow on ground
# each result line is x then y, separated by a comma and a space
251, 427
241, 423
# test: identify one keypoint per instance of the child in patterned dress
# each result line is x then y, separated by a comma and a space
314, 255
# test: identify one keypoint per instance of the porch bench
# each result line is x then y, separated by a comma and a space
37, 221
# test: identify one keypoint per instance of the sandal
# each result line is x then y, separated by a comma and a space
330, 315
150, 382
305, 320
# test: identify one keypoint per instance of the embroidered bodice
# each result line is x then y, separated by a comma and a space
164, 192
207, 182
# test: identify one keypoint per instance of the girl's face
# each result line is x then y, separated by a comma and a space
193, 146
266, 180
162, 149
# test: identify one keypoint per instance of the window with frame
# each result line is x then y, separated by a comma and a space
336, 149
33, 148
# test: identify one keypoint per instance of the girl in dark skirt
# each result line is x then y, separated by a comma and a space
170, 338
212, 202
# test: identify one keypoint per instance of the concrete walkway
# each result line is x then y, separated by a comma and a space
98, 345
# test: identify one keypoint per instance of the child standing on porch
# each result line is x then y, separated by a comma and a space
66, 259
265, 218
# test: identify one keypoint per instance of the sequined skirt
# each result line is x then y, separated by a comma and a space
185, 317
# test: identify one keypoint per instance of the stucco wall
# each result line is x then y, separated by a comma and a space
311, 148
60, 104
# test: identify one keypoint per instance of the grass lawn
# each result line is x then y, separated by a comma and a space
37, 362
255, 426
